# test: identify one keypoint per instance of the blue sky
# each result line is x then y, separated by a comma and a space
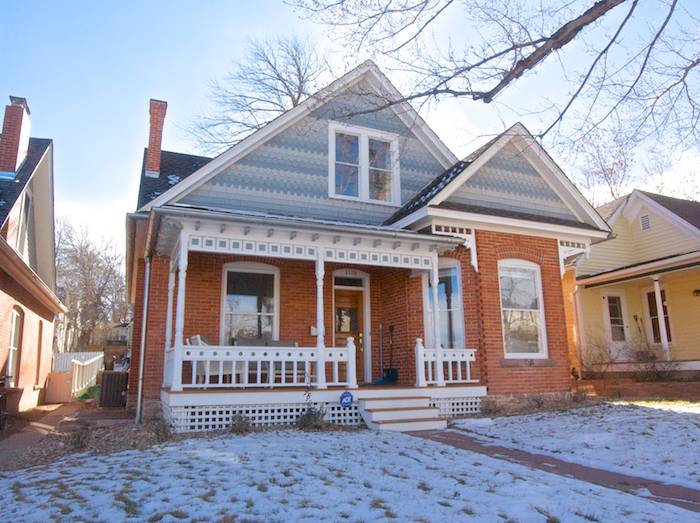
88, 70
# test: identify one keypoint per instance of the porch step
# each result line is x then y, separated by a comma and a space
401, 414
407, 425
397, 402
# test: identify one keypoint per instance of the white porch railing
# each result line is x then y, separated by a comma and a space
456, 365
222, 366
84, 373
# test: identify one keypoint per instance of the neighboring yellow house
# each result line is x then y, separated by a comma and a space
649, 269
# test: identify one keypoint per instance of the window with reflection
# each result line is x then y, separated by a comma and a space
522, 310
450, 310
249, 306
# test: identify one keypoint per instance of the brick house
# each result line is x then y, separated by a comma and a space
28, 303
343, 248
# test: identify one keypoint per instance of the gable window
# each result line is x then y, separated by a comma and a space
449, 306
522, 309
250, 303
654, 316
363, 164
13, 356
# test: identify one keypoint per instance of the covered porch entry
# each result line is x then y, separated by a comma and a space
269, 305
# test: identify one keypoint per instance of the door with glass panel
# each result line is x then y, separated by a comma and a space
616, 326
349, 321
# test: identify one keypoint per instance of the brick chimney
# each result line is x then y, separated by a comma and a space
15, 136
155, 137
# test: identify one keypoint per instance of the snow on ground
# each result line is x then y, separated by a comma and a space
654, 440
294, 476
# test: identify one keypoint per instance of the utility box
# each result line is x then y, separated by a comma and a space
113, 386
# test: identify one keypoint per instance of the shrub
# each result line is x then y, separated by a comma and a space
312, 420
79, 438
240, 425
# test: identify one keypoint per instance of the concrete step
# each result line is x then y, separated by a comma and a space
410, 424
395, 403
401, 413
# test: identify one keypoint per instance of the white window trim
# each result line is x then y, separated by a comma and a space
648, 329
364, 134
443, 263
250, 267
367, 315
14, 353
625, 319
543, 351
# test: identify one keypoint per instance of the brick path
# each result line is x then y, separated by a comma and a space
654, 490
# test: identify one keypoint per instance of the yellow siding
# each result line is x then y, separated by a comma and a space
632, 245
684, 313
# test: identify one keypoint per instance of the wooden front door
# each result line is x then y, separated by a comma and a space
349, 321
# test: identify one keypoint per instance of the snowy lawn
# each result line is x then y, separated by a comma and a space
294, 476
658, 440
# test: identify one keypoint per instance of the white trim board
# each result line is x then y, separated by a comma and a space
367, 70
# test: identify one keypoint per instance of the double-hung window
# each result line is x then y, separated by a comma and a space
654, 316
12, 368
250, 303
450, 309
522, 310
363, 164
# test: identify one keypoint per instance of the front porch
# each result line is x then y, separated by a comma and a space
258, 316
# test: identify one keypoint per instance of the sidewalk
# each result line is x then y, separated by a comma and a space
11, 446
658, 491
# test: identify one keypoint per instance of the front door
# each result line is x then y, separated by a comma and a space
349, 321
616, 326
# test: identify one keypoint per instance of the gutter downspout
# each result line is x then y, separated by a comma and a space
144, 319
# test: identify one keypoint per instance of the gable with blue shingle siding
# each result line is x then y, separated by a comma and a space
509, 182
288, 174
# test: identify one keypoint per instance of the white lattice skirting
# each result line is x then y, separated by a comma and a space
198, 412
213, 417
457, 407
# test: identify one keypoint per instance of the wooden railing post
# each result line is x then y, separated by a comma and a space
420, 363
351, 365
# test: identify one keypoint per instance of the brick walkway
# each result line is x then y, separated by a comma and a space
659, 491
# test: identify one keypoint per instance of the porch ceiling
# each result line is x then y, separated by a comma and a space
278, 237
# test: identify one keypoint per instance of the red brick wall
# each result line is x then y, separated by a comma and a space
529, 376
12, 295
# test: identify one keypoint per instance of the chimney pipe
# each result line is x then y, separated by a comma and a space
14, 142
155, 137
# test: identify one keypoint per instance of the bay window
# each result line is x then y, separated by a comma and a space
522, 309
450, 308
250, 302
363, 164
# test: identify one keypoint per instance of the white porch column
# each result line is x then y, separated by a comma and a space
352, 364
167, 379
435, 281
169, 310
420, 363
180, 313
320, 329
662, 318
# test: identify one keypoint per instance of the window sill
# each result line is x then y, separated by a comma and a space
528, 362
360, 200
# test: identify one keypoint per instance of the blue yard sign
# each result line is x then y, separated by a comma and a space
346, 400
